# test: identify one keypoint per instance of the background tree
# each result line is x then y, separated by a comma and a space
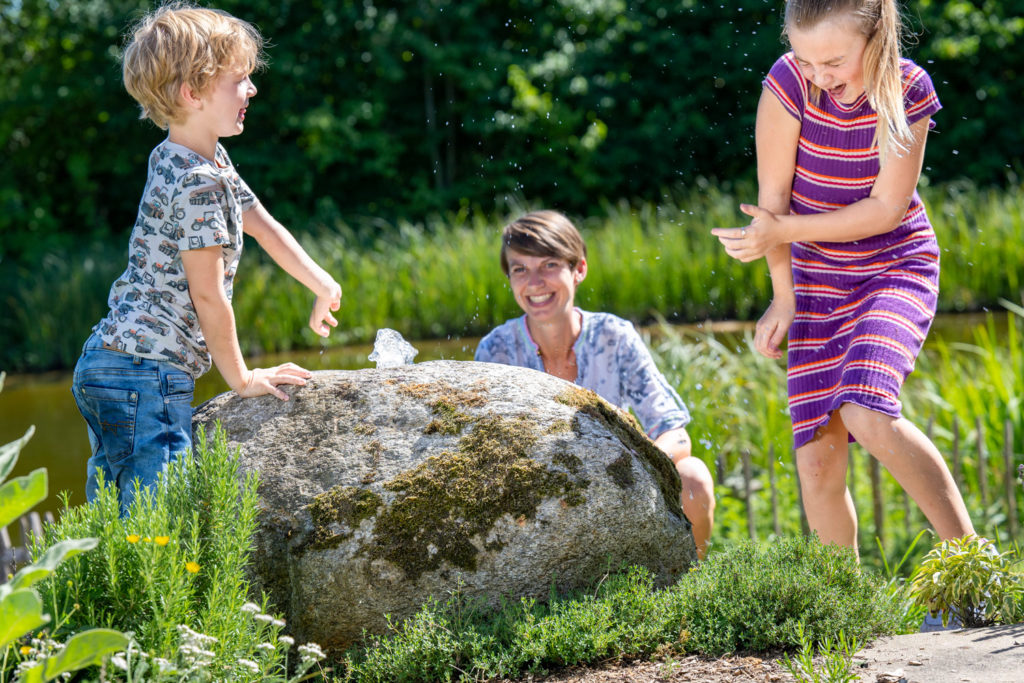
373, 111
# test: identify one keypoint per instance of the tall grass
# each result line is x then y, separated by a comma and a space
738, 402
441, 277
980, 234
983, 380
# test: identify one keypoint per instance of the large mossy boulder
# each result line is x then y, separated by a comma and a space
382, 488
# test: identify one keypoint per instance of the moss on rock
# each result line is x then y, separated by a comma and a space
365, 429
559, 427
447, 504
445, 392
568, 461
625, 427
620, 471
448, 419
344, 506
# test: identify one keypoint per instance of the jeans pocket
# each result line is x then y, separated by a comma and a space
179, 386
111, 414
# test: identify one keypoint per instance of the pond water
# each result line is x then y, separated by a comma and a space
60, 443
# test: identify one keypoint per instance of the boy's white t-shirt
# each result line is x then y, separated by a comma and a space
611, 360
189, 202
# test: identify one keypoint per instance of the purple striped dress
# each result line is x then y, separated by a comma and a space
863, 308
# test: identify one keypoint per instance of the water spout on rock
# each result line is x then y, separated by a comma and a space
390, 349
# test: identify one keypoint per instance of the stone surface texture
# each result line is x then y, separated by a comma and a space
380, 488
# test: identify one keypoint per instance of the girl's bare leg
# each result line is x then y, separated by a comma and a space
915, 462
822, 465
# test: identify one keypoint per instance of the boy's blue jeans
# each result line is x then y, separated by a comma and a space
139, 413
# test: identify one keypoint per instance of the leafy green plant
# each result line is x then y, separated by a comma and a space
21, 608
968, 577
836, 660
176, 561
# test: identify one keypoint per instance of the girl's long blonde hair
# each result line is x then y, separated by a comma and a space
879, 21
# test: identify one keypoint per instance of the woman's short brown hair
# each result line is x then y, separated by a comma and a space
543, 233
180, 43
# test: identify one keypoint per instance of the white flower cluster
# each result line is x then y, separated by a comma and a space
39, 650
253, 609
195, 660
123, 660
194, 646
311, 653
164, 666
249, 664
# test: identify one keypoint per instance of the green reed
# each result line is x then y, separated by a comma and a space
980, 383
440, 277
981, 232
738, 402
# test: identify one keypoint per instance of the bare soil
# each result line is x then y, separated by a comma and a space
734, 669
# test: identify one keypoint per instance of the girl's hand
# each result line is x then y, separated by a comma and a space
265, 380
755, 240
773, 326
321, 316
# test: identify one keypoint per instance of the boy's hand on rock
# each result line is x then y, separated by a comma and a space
265, 380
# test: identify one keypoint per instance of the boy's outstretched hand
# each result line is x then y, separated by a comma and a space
321, 317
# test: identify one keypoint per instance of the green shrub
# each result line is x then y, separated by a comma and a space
402, 109
174, 566
754, 597
747, 597
21, 608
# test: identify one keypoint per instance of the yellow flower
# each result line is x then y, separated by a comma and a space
162, 540
25, 649
133, 538
146, 539
192, 567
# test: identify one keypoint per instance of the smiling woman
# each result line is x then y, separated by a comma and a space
545, 259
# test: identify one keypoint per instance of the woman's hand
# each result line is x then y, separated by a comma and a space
773, 326
755, 240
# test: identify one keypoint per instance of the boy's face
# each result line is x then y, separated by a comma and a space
224, 104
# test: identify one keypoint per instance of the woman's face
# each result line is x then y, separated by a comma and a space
831, 56
544, 286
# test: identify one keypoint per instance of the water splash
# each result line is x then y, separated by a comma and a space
390, 349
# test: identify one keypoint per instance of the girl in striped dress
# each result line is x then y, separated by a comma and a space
840, 135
